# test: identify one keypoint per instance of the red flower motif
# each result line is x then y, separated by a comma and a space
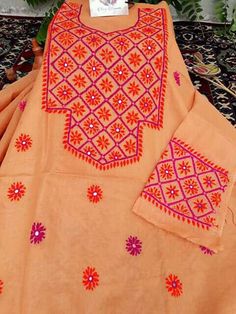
117, 131
79, 80
16, 191
94, 41
120, 73
179, 151
184, 167
209, 182
148, 30
1, 286
107, 55
78, 109
64, 92
155, 192
75, 137
115, 155
66, 38
206, 251
133, 89
216, 198
103, 142
200, 205
94, 193
158, 63
79, 51
90, 151
201, 166
146, 104
181, 208
94, 68
93, 98
133, 246
174, 285
132, 117
166, 171
104, 114
53, 78
147, 76
135, 35
156, 92
191, 187
54, 50
22, 105
37, 233
106, 85
121, 44
135, 59
119, 101
65, 65
90, 278
23, 143
91, 126
172, 191
149, 47
130, 146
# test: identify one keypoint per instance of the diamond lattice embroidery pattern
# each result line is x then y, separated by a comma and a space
109, 85
187, 186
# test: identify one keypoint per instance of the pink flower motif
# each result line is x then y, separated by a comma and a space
22, 105
177, 78
37, 233
133, 246
206, 251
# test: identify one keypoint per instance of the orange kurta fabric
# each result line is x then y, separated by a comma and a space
117, 180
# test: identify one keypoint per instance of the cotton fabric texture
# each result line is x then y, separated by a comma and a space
117, 176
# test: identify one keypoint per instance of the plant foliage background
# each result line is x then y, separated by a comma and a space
190, 9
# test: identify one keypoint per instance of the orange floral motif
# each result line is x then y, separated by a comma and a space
107, 55
78, 109
79, 80
149, 47
132, 117
65, 65
130, 146
119, 102
93, 98
155, 192
103, 142
216, 198
53, 78
117, 130
90, 151
174, 286
54, 50
94, 193
158, 63
156, 92
79, 51
91, 126
115, 155
147, 76
120, 73
200, 205
64, 92
209, 182
201, 166
191, 187
16, 191
94, 68
121, 44
90, 278
75, 137
104, 114
146, 104
94, 40
106, 85
135, 59
23, 143
184, 167
133, 89
135, 35
166, 171
181, 208
172, 191
66, 39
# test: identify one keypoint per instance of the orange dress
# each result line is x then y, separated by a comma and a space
117, 190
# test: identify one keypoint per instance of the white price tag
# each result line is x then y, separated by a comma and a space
108, 7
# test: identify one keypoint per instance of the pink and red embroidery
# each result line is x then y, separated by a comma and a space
206, 251
90, 278
37, 234
22, 105
177, 77
23, 143
1, 286
133, 245
16, 191
187, 185
109, 85
94, 193
174, 286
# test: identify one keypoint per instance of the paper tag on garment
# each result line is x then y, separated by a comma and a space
108, 7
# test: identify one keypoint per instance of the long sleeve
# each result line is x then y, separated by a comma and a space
190, 188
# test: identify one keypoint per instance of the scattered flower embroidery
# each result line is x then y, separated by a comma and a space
1, 286
22, 105
133, 245
23, 143
174, 286
94, 193
16, 191
206, 251
90, 278
37, 233
177, 78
